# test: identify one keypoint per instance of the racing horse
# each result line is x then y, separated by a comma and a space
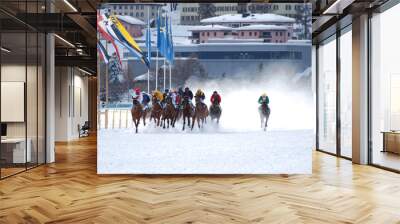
187, 112
146, 111
137, 112
264, 112
200, 113
156, 111
168, 113
215, 111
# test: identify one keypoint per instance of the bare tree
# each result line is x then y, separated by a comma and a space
206, 10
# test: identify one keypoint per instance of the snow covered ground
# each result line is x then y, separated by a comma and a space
209, 151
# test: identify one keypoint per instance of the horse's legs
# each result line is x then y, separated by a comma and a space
136, 125
198, 122
193, 121
184, 123
144, 118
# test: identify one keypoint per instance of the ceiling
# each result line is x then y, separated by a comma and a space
76, 22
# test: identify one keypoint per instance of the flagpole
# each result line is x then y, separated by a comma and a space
157, 71
158, 16
170, 81
148, 50
165, 54
164, 72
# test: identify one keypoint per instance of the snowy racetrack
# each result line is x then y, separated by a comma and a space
122, 151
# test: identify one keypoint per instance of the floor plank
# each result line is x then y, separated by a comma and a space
70, 191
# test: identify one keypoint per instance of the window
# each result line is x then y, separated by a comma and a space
142, 14
241, 33
202, 34
208, 34
137, 14
215, 34
142, 7
266, 34
276, 7
385, 87
327, 96
137, 7
288, 7
346, 94
250, 33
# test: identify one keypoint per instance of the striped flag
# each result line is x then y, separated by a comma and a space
103, 53
118, 32
102, 30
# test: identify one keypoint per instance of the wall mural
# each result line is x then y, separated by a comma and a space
205, 88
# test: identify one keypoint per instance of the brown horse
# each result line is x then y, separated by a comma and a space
146, 113
215, 111
187, 112
264, 112
168, 113
156, 111
200, 113
137, 113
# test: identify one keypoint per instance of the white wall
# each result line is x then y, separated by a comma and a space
71, 102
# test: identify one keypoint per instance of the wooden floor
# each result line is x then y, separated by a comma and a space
70, 191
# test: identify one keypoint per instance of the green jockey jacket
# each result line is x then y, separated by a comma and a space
261, 100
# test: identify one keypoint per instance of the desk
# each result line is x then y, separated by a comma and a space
391, 141
15, 148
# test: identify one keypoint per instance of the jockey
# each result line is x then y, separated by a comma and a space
188, 93
178, 99
215, 98
165, 96
200, 95
158, 95
137, 95
174, 97
263, 99
145, 100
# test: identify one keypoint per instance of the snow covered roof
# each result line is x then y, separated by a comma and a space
262, 27
238, 18
144, 76
131, 20
209, 27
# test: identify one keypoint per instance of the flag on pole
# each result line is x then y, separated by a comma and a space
165, 38
103, 53
158, 21
170, 51
118, 32
102, 30
148, 41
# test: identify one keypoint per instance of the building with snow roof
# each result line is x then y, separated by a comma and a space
133, 25
251, 33
239, 20
138, 10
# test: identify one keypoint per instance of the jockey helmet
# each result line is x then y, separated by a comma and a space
137, 90
215, 92
264, 94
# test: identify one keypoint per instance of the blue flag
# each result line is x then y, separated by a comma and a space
148, 40
158, 31
170, 44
